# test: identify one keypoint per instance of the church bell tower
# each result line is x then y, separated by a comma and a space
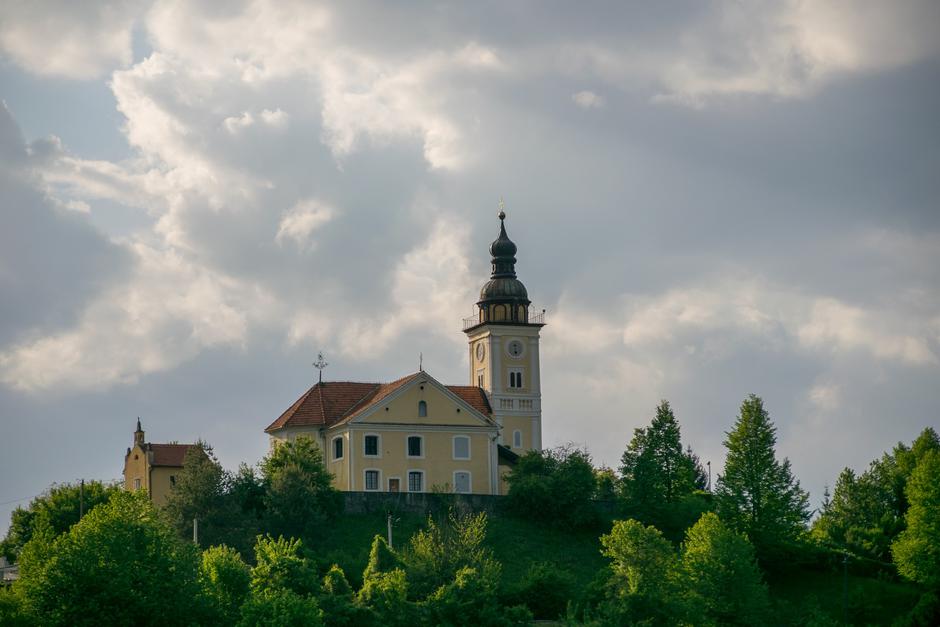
504, 349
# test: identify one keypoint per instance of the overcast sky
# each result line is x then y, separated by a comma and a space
710, 199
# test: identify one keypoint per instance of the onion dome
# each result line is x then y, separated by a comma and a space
504, 298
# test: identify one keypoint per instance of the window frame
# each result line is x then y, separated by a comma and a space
517, 437
365, 480
136, 483
342, 452
516, 376
422, 409
408, 483
469, 481
408, 447
378, 445
453, 447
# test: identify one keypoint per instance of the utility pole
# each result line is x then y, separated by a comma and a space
195, 530
389, 522
709, 464
845, 587
81, 500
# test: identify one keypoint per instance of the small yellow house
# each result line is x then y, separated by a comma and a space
153, 467
418, 435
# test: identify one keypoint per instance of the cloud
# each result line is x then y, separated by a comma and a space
299, 223
77, 40
588, 100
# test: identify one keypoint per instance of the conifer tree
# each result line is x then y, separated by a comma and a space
757, 494
654, 467
917, 549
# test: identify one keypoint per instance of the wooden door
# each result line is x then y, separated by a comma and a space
394, 484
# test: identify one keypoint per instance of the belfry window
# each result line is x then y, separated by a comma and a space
422, 409
515, 379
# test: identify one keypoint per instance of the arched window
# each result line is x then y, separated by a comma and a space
422, 409
517, 439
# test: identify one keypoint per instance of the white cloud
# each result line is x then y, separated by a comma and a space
167, 313
588, 100
78, 40
301, 220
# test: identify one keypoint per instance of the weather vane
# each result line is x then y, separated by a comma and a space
420, 362
320, 364
502, 206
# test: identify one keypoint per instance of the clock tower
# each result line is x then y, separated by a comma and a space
504, 349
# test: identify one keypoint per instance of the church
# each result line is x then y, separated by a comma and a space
417, 434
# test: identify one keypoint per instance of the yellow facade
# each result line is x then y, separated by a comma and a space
153, 467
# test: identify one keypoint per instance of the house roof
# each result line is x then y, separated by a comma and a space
330, 402
168, 454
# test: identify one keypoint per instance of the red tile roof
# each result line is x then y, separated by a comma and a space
168, 454
332, 402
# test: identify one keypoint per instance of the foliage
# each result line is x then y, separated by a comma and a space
382, 559
121, 559
470, 600
280, 608
545, 590
57, 509
12, 613
721, 576
386, 594
199, 492
757, 494
225, 580
299, 496
643, 562
436, 553
556, 487
281, 565
338, 603
606, 484
866, 511
654, 468
917, 549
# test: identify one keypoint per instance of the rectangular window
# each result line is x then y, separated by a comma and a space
338, 448
371, 448
136, 484
372, 480
517, 439
461, 447
462, 482
415, 481
414, 446
172, 480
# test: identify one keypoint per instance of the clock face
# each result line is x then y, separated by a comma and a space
481, 351
515, 348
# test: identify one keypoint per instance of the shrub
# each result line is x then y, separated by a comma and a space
225, 580
555, 487
545, 590
280, 608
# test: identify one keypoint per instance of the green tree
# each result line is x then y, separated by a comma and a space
338, 603
57, 510
866, 511
121, 561
470, 600
280, 564
757, 494
280, 608
917, 549
644, 575
385, 593
225, 580
200, 492
721, 576
436, 553
654, 468
382, 559
556, 487
299, 496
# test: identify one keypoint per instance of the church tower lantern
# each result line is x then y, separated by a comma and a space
504, 348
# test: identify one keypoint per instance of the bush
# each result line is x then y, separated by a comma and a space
470, 600
281, 565
225, 580
280, 608
555, 487
544, 590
